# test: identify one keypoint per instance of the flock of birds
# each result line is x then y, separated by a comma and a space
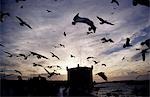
76, 19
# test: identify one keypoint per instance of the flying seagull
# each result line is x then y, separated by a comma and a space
48, 11
58, 67
64, 33
78, 19
2, 45
72, 56
89, 33
102, 21
104, 65
115, 1
10, 55
23, 23
53, 55
106, 40
50, 67
102, 74
146, 42
25, 56
95, 62
127, 44
34, 64
2, 15
39, 56
51, 73
62, 45
18, 72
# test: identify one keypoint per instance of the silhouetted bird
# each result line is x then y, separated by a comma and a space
95, 62
2, 45
2, 15
141, 2
87, 21
51, 73
25, 56
21, 6
39, 56
50, 67
64, 33
18, 72
127, 44
104, 21
34, 64
104, 65
48, 11
17, 1
53, 55
89, 33
58, 67
146, 42
72, 56
115, 1
62, 45
143, 53
89, 58
10, 55
106, 40
102, 74
23, 23
123, 58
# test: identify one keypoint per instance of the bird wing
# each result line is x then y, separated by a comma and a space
28, 25
116, 2
102, 74
47, 71
108, 23
57, 57
100, 18
19, 19
18, 72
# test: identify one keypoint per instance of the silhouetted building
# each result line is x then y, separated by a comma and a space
80, 80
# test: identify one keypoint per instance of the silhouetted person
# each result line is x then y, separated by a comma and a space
64, 33
39, 56
146, 42
34, 64
17, 1
102, 74
53, 55
115, 1
17, 71
89, 58
104, 40
23, 23
87, 21
141, 2
102, 21
51, 73
2, 15
127, 44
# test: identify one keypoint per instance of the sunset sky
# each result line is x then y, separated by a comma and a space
47, 32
